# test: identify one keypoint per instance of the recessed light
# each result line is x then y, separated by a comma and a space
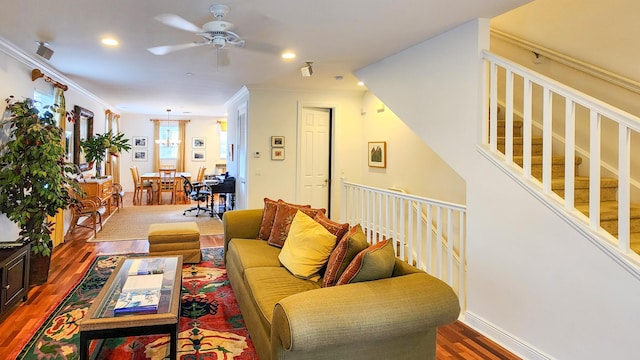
109, 41
189, 74
288, 55
360, 83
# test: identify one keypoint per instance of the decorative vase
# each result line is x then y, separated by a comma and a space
98, 169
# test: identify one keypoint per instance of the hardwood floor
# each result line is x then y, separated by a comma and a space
71, 259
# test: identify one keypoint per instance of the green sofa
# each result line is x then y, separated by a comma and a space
291, 318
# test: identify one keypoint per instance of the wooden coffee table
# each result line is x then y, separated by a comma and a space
100, 322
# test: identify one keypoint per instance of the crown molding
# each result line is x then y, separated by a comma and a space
19, 55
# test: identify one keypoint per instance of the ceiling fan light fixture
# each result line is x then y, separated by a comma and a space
218, 42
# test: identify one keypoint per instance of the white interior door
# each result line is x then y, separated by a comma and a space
315, 141
241, 159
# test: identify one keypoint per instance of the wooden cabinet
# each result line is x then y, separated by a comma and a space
100, 188
14, 276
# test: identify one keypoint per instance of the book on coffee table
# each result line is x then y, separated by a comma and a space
140, 294
146, 266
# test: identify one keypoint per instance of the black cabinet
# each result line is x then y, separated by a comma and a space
14, 276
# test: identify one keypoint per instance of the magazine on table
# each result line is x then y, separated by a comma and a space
146, 266
140, 294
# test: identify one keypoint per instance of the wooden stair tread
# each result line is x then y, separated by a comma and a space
609, 210
582, 182
555, 160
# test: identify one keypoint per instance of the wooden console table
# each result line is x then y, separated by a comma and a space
100, 188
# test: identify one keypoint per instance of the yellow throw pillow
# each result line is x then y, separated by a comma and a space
307, 247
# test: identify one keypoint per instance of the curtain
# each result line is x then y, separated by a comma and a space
112, 166
156, 146
182, 127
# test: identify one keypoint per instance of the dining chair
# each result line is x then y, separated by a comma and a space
167, 184
140, 186
200, 176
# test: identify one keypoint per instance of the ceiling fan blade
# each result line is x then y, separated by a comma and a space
165, 49
178, 22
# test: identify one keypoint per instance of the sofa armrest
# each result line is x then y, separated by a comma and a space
240, 224
400, 305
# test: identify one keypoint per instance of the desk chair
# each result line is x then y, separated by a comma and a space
198, 193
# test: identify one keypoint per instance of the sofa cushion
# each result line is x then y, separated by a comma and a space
268, 214
251, 253
352, 243
373, 263
285, 213
335, 228
307, 247
269, 285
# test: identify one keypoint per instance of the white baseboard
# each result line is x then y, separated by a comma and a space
508, 341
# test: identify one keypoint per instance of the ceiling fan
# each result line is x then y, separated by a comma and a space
217, 32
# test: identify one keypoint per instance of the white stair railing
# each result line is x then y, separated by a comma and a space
534, 96
427, 233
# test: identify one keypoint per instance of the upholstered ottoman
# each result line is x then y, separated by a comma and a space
182, 238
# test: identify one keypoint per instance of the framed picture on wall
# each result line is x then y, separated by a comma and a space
277, 141
139, 141
139, 155
377, 154
197, 155
277, 154
198, 143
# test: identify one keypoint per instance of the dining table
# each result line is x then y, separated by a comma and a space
154, 177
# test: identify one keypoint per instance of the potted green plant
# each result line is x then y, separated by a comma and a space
96, 147
34, 184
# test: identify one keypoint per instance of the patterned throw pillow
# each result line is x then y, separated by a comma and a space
373, 263
268, 215
285, 213
335, 228
351, 244
307, 248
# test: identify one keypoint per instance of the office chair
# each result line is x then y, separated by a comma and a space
198, 193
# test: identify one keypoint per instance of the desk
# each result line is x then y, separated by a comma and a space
227, 186
155, 177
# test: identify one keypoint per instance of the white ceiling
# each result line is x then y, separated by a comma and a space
338, 36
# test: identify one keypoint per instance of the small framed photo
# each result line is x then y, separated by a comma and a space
198, 143
277, 154
197, 155
139, 155
277, 141
377, 154
139, 141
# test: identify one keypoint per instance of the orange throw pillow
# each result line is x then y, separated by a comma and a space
333, 227
285, 213
351, 244
268, 215
373, 263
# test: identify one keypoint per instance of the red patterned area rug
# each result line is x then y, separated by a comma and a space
211, 326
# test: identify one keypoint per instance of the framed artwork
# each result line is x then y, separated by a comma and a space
198, 143
139, 155
197, 155
277, 141
139, 141
377, 154
277, 154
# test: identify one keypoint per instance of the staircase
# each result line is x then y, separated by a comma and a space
608, 186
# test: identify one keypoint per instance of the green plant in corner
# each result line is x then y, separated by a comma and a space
95, 148
33, 173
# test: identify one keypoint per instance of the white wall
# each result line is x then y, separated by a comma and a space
199, 126
534, 283
411, 164
275, 112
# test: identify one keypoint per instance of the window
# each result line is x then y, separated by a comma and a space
168, 143
42, 100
